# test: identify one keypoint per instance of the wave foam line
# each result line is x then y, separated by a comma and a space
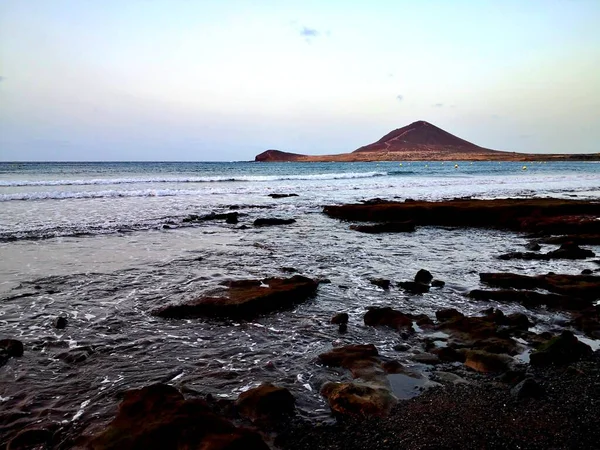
259, 178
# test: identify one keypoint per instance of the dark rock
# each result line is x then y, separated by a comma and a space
349, 356
513, 377
586, 272
388, 317
423, 276
381, 282
11, 347
448, 314
388, 227
528, 388
401, 347
539, 215
533, 246
265, 222
423, 320
288, 269
482, 361
76, 355
449, 354
531, 299
343, 328
570, 250
282, 195
60, 323
246, 298
266, 404
414, 287
438, 283
560, 350
340, 318
158, 417
228, 217
358, 399
426, 358
579, 286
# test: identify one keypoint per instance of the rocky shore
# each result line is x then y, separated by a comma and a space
487, 380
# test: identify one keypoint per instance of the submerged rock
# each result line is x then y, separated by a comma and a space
388, 227
566, 251
158, 417
388, 317
266, 222
231, 217
423, 276
381, 282
340, 319
282, 195
245, 299
60, 323
10, 348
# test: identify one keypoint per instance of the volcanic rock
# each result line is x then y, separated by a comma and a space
560, 350
423, 276
158, 417
245, 299
282, 195
266, 404
358, 399
340, 318
266, 222
482, 361
381, 282
10, 348
388, 317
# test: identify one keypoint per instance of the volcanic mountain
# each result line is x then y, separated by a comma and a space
420, 141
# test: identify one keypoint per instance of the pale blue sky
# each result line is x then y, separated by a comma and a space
225, 80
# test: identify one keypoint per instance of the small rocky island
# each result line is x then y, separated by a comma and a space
422, 141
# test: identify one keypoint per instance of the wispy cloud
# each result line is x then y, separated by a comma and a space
399, 97
309, 32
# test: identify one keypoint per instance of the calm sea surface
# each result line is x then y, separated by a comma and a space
105, 243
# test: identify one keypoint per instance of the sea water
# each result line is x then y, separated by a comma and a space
104, 244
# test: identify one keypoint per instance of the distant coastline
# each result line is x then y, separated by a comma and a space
422, 141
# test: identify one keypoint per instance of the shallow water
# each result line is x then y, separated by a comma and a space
105, 262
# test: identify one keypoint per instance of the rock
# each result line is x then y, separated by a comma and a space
245, 299
231, 217
560, 350
528, 388
569, 250
266, 404
426, 358
381, 282
482, 361
423, 320
423, 276
158, 417
358, 399
401, 347
388, 227
443, 315
449, 354
414, 287
340, 318
386, 316
531, 299
579, 286
533, 246
342, 328
538, 215
349, 356
586, 272
60, 323
450, 378
438, 283
11, 347
76, 355
288, 269
282, 195
265, 222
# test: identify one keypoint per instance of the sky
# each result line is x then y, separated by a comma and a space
204, 80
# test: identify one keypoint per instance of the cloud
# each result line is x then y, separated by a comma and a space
399, 97
438, 105
309, 32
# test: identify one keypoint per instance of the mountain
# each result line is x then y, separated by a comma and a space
421, 141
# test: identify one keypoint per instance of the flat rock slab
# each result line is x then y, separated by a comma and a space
245, 299
545, 215
580, 286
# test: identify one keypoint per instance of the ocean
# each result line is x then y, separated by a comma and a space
104, 244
